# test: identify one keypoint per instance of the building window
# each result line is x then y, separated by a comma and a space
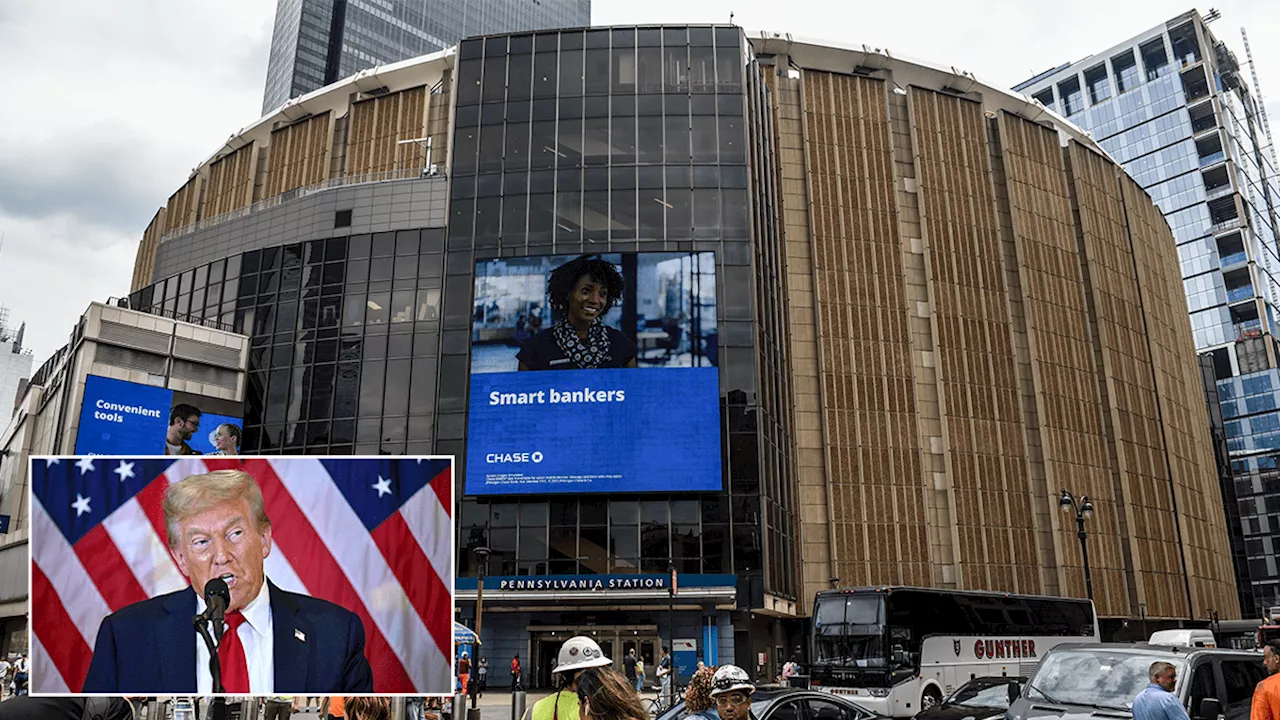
1126, 70
1095, 79
1154, 58
1072, 99
1045, 98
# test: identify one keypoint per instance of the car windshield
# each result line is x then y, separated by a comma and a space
984, 695
1094, 678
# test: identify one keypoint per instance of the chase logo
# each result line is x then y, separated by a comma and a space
519, 457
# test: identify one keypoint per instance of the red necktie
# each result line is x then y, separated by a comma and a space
235, 669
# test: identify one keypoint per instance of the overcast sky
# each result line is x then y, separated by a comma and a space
109, 105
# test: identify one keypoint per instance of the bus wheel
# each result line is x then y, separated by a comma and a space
930, 699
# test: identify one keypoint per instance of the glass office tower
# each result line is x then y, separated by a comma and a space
318, 42
1172, 106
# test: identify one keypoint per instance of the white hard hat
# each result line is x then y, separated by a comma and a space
730, 678
578, 653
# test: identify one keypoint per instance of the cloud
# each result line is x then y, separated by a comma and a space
114, 104
53, 267
112, 185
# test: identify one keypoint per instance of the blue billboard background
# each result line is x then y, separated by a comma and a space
202, 441
617, 431
651, 427
122, 418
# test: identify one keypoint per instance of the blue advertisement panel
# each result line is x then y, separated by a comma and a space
634, 404
215, 431
120, 417
124, 418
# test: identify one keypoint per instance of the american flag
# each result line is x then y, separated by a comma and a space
371, 535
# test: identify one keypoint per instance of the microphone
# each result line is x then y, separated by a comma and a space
217, 596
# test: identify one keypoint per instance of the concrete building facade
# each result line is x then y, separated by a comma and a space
1173, 106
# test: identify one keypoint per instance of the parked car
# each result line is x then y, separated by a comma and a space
1075, 682
775, 703
978, 699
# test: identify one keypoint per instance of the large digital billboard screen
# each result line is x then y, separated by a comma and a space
634, 403
120, 417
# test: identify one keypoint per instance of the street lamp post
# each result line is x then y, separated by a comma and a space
671, 630
482, 553
1083, 510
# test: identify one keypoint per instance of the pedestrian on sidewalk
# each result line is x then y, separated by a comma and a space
576, 656
20, 674
697, 697
414, 708
334, 707
629, 666
464, 671
664, 675
484, 674
640, 676
603, 694
5, 667
279, 707
1266, 696
515, 672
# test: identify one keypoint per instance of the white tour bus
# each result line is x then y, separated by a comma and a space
899, 650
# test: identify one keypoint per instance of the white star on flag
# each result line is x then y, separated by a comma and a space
81, 505
51, 462
125, 470
383, 486
85, 465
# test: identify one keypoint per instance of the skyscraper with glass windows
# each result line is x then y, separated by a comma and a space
318, 42
1172, 106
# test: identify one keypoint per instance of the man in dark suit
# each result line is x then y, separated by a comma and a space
276, 642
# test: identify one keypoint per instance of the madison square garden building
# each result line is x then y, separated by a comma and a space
880, 313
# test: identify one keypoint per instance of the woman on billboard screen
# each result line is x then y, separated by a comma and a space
580, 293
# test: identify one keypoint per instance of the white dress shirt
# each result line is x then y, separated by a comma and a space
259, 647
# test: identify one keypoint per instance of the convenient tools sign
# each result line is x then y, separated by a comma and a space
122, 418
119, 417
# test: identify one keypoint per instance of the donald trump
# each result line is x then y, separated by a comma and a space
274, 641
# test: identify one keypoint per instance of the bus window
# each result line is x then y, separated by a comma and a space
848, 630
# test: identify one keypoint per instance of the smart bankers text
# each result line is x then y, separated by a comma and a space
544, 397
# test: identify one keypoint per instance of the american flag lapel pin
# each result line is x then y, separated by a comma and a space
300, 635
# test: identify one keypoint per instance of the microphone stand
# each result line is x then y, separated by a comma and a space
214, 668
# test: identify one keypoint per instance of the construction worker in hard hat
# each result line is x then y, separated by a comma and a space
731, 689
576, 654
